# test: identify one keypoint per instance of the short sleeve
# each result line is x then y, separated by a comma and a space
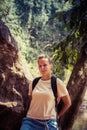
61, 88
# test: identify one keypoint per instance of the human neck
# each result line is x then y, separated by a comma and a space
46, 77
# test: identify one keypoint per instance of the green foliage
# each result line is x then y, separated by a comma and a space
4, 9
67, 50
45, 27
55, 27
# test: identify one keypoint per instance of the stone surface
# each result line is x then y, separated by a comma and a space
13, 83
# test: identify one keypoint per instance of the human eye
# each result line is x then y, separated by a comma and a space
40, 66
45, 65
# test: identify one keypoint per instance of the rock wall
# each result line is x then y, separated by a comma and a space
14, 84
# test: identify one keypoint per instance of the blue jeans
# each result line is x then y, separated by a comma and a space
31, 124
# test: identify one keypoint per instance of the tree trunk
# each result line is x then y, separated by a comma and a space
77, 87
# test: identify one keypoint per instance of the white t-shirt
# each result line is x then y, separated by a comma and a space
43, 101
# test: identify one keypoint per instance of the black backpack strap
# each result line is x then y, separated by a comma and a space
35, 81
54, 86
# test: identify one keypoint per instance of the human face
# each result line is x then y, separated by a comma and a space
45, 67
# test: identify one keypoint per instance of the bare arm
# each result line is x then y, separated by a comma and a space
67, 103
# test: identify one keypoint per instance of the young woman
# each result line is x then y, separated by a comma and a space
42, 114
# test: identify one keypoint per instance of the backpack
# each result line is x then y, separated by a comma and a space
54, 88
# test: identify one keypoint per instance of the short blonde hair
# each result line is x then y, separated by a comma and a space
45, 56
